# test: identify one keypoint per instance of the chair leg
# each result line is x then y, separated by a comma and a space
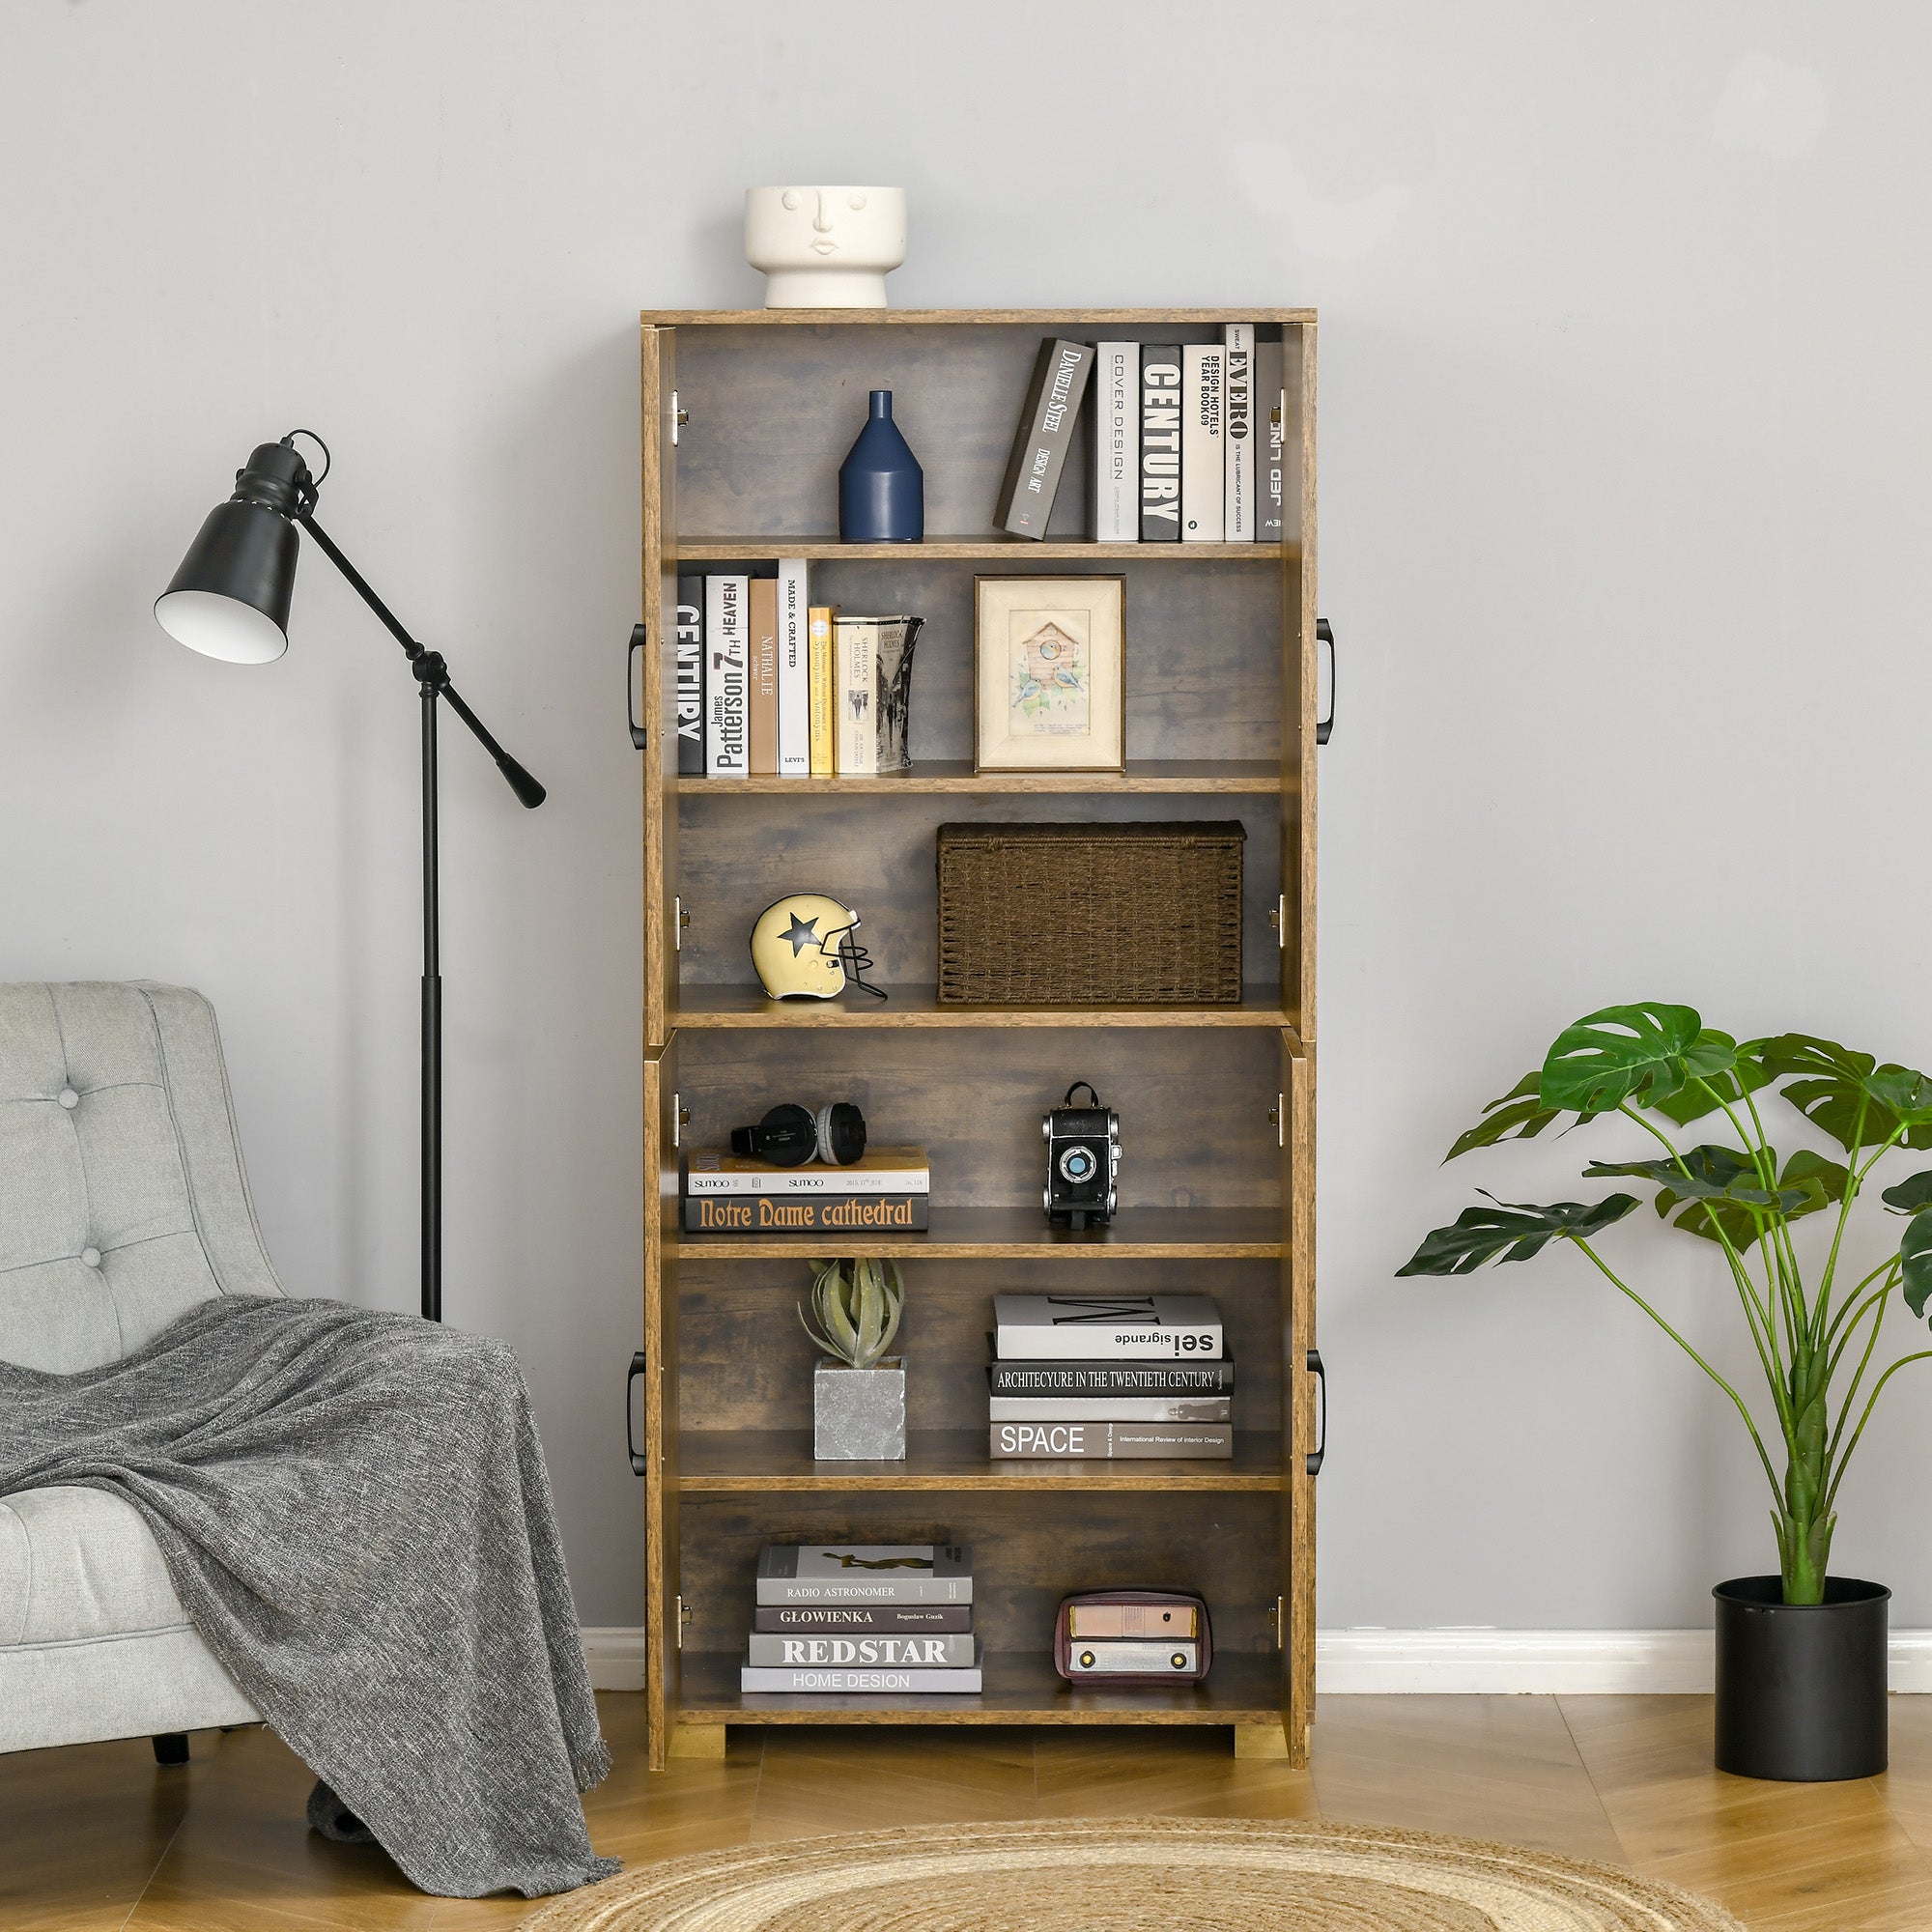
171, 1747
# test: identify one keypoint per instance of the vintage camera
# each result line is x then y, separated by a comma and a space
1083, 1160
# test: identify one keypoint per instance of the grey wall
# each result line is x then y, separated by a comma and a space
1623, 494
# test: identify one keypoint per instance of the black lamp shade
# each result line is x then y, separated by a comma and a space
230, 597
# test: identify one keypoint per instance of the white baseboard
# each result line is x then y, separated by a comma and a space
1567, 1663
1380, 1663
615, 1657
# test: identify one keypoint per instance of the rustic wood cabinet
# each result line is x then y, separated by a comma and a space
747, 416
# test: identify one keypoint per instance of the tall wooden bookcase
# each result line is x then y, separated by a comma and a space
747, 416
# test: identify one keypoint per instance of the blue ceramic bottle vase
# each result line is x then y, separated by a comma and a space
881, 486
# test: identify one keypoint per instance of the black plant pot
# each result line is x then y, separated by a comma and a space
1801, 1687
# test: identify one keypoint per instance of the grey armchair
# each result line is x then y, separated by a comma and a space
123, 1203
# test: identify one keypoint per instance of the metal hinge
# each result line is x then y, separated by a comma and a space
1276, 1618
680, 919
683, 1615
1278, 1114
1278, 919
678, 419
679, 1115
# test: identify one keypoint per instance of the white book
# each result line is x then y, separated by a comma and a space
1237, 339
854, 687
1117, 442
864, 1572
794, 669
848, 1680
727, 751
1204, 369
1109, 1327
879, 1170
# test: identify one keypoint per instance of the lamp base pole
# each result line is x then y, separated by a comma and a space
432, 676
431, 1024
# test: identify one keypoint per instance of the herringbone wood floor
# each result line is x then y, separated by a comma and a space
98, 1837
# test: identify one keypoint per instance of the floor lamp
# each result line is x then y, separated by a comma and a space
230, 600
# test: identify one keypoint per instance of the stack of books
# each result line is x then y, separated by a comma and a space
771, 685
839, 1619
887, 1189
1187, 439
1116, 1375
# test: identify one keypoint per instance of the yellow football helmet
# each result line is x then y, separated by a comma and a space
803, 948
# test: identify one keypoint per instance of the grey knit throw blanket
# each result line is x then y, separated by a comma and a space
354, 1512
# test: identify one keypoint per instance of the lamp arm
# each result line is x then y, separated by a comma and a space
430, 669
360, 585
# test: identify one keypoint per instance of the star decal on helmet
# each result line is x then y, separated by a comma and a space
801, 932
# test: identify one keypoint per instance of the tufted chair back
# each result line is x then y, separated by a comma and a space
123, 1200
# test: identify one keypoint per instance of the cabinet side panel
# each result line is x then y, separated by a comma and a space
659, 699
1299, 613
660, 1503
1297, 1183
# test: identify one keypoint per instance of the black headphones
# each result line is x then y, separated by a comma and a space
789, 1136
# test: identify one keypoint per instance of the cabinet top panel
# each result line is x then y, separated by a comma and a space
1055, 318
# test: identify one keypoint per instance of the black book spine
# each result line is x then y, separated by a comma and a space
1270, 414
1041, 443
1111, 1378
690, 676
804, 1214
1161, 442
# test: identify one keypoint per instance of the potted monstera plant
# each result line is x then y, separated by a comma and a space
1801, 1654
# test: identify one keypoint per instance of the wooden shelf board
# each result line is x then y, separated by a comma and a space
1190, 776
931, 318
1021, 1689
743, 1462
829, 549
1022, 1234
710, 1006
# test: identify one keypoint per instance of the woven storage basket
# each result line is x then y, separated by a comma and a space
1135, 915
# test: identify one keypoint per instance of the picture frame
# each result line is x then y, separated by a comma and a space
1049, 673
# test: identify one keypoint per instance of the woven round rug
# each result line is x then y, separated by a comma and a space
1129, 1875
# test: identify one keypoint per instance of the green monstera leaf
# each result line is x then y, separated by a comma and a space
1915, 1250
1702, 1094
1911, 1194
1511, 1231
1723, 1189
1644, 1053
1809, 1185
1829, 1084
1705, 1172
1518, 1115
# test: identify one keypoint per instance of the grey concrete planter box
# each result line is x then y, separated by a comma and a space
859, 1415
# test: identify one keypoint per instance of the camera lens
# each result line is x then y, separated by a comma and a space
1077, 1163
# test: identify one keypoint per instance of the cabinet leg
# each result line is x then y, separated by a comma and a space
698, 1741
1260, 1740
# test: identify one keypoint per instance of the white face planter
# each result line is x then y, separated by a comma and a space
825, 248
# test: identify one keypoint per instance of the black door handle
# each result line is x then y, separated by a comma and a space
639, 1465
1320, 1448
1325, 633
637, 636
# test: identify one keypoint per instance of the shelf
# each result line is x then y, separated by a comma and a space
950, 318
709, 1006
1190, 776
829, 549
745, 1461
1016, 1234
1021, 1689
